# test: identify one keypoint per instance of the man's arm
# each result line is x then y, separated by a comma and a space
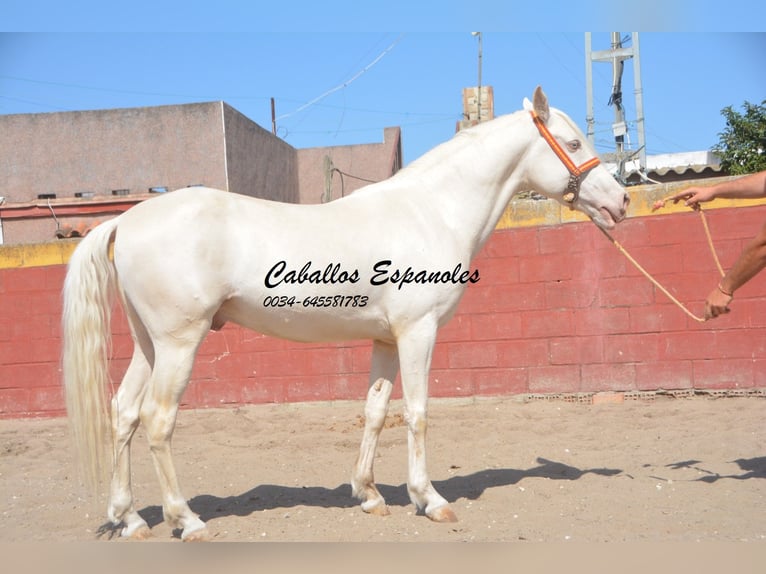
746, 187
750, 262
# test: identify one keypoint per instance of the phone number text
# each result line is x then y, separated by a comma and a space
316, 301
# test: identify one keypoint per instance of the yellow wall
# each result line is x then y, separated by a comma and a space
519, 213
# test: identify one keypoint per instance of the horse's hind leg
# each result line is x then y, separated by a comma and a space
385, 364
174, 358
125, 408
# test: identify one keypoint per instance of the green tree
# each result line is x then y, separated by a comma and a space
742, 144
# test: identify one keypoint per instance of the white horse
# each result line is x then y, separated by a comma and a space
389, 263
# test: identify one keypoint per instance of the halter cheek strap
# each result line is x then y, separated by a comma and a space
576, 172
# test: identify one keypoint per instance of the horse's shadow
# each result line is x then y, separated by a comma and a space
274, 496
751, 467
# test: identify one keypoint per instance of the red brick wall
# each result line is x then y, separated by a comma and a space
557, 310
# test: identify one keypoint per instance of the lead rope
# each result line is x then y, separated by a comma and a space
646, 274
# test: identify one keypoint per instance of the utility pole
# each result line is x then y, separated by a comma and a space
478, 91
617, 55
474, 99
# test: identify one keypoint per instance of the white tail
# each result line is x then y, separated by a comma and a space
88, 289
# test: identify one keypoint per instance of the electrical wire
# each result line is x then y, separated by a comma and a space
343, 85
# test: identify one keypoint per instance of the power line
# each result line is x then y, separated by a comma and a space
344, 84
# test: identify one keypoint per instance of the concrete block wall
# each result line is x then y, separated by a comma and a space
557, 310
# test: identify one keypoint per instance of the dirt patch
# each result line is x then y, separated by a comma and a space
666, 470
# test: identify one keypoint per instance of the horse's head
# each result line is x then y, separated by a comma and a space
562, 165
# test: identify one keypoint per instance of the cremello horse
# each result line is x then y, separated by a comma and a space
388, 263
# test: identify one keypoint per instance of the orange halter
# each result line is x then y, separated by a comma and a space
576, 173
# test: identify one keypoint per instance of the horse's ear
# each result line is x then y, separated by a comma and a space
527, 105
541, 104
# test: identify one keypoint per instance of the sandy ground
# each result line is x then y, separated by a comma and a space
680, 470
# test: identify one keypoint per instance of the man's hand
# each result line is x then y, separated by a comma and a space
717, 303
693, 196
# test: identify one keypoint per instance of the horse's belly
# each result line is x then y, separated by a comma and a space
309, 320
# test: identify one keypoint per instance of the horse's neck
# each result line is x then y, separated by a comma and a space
471, 178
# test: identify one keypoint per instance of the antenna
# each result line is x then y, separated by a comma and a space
616, 55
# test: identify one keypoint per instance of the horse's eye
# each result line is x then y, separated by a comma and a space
574, 145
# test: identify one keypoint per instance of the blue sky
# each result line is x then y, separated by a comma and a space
357, 83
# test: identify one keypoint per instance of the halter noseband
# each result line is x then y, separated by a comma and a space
576, 173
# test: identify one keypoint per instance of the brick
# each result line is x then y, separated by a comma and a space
218, 343
624, 292
29, 375
522, 353
630, 348
554, 379
236, 366
266, 390
565, 239
305, 361
451, 383
218, 393
723, 374
571, 294
16, 307
601, 321
605, 262
759, 373
687, 345
699, 259
544, 268
252, 341
361, 359
664, 375
683, 229
502, 299
441, 355
25, 280
510, 243
307, 388
347, 387
740, 343
548, 323
686, 287
736, 222
498, 270
206, 369
54, 277
490, 382
655, 260
495, 326
609, 377
47, 400
14, 401
657, 318
7, 328
457, 329
608, 398
472, 354
576, 350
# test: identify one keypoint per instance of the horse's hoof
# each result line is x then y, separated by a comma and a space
199, 535
143, 532
380, 508
442, 514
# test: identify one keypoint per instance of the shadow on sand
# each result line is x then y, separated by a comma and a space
273, 496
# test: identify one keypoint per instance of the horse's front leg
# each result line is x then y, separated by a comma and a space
385, 365
415, 349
